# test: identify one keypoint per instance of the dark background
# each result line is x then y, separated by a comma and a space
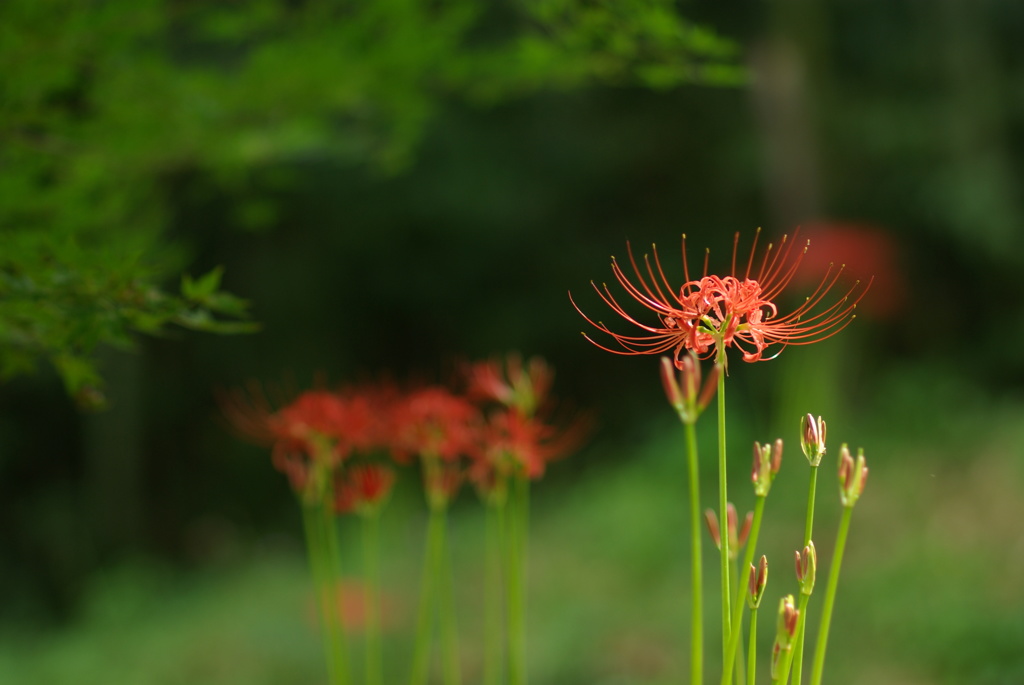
899, 121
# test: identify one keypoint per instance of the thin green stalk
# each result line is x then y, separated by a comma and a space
420, 670
798, 656
371, 564
517, 527
830, 597
741, 588
723, 516
696, 580
332, 555
314, 549
752, 649
493, 595
449, 626
737, 622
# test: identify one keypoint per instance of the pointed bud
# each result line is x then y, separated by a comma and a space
668, 381
812, 438
712, 523
785, 632
748, 520
710, 387
689, 377
767, 461
807, 568
852, 476
758, 582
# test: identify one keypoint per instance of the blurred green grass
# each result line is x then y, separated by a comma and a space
931, 589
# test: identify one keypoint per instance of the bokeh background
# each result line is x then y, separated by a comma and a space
400, 184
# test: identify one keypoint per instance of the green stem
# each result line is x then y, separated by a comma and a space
798, 656
314, 548
493, 597
421, 650
696, 580
449, 626
723, 516
752, 649
738, 622
371, 564
333, 564
516, 548
830, 597
748, 559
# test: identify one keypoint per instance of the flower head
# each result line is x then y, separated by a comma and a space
712, 313
363, 488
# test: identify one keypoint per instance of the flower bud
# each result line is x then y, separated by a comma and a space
685, 392
712, 523
852, 476
807, 568
758, 582
812, 438
767, 461
785, 632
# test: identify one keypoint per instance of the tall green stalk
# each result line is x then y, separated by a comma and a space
830, 597
446, 600
374, 666
493, 592
752, 649
515, 547
332, 563
741, 588
798, 656
723, 516
315, 549
420, 669
696, 579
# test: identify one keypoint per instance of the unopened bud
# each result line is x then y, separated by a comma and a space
684, 392
767, 461
807, 568
853, 475
710, 387
812, 438
758, 582
712, 523
785, 632
668, 381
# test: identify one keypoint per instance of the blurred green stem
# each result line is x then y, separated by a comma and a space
371, 564
515, 549
830, 597
493, 592
446, 600
696, 579
332, 555
314, 548
420, 669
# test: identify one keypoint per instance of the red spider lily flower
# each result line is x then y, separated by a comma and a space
518, 444
434, 423
309, 436
363, 488
442, 481
510, 383
710, 314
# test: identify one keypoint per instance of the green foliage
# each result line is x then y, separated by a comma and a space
105, 104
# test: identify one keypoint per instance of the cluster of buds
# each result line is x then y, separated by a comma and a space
807, 568
687, 395
812, 438
737, 535
758, 582
852, 476
767, 460
785, 634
